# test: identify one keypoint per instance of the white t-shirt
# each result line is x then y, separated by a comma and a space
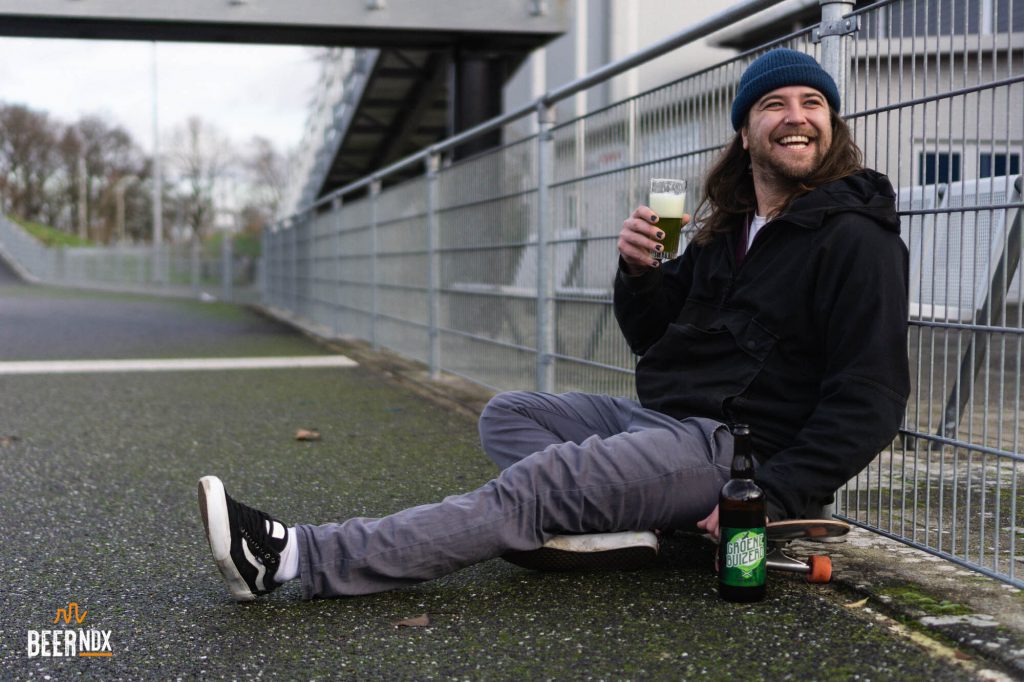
755, 226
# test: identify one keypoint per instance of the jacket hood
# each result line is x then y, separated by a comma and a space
866, 192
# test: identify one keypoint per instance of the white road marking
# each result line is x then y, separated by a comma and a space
175, 365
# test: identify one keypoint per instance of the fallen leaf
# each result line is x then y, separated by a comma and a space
304, 434
420, 621
8, 441
856, 604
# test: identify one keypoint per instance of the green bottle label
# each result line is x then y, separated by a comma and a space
743, 557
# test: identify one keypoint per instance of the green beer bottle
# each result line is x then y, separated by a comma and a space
742, 548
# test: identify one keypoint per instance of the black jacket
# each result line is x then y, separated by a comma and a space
806, 341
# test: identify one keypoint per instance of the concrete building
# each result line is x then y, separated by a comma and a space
604, 31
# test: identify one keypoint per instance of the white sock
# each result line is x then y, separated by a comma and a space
289, 567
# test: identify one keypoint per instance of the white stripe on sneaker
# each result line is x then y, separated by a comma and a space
260, 568
277, 531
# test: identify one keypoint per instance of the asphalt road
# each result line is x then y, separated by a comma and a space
97, 507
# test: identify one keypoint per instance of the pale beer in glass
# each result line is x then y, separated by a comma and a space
667, 199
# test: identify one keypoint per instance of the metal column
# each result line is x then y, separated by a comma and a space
432, 165
375, 186
336, 204
833, 33
545, 269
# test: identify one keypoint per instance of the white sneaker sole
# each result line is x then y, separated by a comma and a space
213, 506
604, 542
625, 551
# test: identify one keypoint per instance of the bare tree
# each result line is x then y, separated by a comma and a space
266, 171
108, 155
202, 158
28, 159
92, 178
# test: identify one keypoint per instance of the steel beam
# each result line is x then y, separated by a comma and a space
498, 24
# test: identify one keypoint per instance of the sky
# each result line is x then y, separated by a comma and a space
244, 90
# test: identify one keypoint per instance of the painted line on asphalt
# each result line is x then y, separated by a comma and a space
175, 365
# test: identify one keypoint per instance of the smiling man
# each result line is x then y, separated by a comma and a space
798, 267
787, 311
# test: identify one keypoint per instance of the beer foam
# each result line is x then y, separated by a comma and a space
667, 205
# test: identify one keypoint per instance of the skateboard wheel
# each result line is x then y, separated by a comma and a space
821, 569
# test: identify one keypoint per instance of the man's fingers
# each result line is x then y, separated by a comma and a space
646, 214
638, 240
710, 524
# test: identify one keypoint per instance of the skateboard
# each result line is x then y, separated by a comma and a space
816, 568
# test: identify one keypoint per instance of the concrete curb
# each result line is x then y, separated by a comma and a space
980, 615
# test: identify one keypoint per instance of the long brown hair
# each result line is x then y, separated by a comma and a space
728, 193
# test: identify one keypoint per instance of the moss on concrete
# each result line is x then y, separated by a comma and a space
913, 597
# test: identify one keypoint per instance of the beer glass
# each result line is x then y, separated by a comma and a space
667, 198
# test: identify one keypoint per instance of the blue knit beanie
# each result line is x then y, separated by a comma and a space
777, 69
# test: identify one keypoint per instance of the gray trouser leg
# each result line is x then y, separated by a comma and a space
517, 424
640, 470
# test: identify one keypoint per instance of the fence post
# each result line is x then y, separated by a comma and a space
336, 204
227, 262
155, 253
293, 264
833, 34
163, 261
545, 271
374, 196
433, 163
262, 265
195, 265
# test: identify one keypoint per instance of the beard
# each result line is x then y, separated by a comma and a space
784, 167
774, 163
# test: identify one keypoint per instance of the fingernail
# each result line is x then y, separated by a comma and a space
659, 248
661, 235
655, 263
654, 218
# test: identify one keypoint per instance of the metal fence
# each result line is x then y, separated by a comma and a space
498, 268
185, 270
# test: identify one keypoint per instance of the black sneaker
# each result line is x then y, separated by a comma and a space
246, 543
626, 551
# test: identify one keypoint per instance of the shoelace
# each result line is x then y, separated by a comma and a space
252, 525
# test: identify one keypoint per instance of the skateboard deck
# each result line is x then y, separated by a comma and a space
816, 568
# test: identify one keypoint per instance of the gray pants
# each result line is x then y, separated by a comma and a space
572, 463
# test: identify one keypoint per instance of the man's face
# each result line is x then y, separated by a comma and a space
788, 132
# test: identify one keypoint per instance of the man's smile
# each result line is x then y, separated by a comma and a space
795, 141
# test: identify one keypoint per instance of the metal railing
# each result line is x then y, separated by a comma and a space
184, 270
498, 268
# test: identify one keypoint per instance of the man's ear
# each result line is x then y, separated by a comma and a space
743, 136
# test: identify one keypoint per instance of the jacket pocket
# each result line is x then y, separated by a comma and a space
697, 371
